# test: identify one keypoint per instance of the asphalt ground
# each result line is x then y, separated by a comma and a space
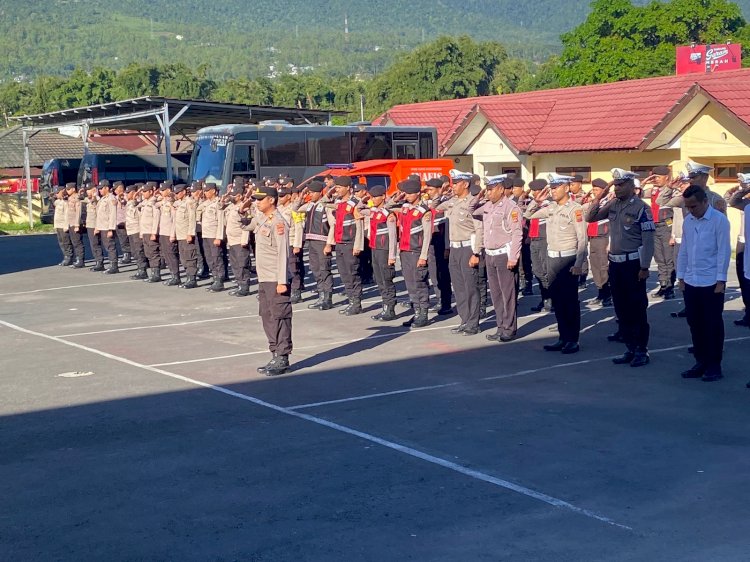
382, 444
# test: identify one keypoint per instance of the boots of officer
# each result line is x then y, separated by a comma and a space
99, 266
528, 290
112, 269
354, 308
140, 274
173, 281
277, 366
190, 283
126, 258
217, 286
668, 292
420, 318
388, 313
296, 296
66, 261
241, 291
660, 291
606, 293
155, 276
317, 304
78, 264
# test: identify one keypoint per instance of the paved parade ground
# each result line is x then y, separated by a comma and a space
133, 426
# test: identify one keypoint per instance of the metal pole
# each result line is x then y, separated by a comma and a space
85, 137
27, 175
167, 141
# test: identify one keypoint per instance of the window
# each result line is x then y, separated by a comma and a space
572, 171
515, 171
371, 146
426, 145
282, 149
728, 172
405, 150
244, 159
329, 147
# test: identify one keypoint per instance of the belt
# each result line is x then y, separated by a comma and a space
462, 244
498, 252
622, 258
318, 237
562, 254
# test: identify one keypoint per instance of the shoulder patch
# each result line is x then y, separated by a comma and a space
514, 215
579, 215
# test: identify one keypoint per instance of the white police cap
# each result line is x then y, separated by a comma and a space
693, 169
557, 179
620, 174
458, 175
744, 179
494, 180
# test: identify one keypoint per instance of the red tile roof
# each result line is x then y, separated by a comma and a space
615, 116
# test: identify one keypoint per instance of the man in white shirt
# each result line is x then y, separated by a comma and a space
702, 265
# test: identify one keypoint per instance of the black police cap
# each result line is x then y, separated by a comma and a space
316, 186
410, 186
265, 191
377, 190
180, 187
518, 182
70, 185
661, 170
600, 183
343, 181
131, 188
434, 182
537, 185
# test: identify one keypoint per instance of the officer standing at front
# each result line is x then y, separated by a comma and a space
502, 226
566, 252
75, 214
132, 229
631, 248
184, 231
465, 235
106, 224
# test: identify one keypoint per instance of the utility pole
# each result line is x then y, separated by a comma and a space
346, 27
361, 107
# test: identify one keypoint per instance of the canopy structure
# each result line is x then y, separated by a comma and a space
159, 115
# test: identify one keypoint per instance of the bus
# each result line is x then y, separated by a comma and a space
272, 148
129, 168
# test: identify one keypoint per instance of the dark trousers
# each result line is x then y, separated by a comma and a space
170, 254
599, 260
384, 275
136, 246
465, 285
63, 240
152, 249
348, 265
202, 253
224, 255
504, 293
704, 310
297, 269
563, 290
213, 258
664, 253
95, 241
440, 274
110, 245
482, 282
276, 313
321, 265
744, 281
365, 262
123, 238
76, 240
527, 268
631, 303
239, 257
415, 278
538, 249
188, 256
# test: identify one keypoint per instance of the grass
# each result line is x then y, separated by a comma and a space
23, 228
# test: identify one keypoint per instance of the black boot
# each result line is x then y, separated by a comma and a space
99, 266
112, 269
388, 313
78, 264
420, 318
191, 283
355, 308
660, 291
262, 370
141, 274
528, 290
126, 258
155, 276
318, 303
327, 303
173, 281
668, 293
278, 366
241, 291
606, 295
66, 261
217, 286
296, 296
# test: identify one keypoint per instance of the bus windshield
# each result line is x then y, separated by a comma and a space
208, 159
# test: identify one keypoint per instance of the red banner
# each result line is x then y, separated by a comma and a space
18, 185
708, 58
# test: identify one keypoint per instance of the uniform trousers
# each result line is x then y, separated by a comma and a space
110, 245
538, 248
664, 253
465, 285
170, 254
631, 303
482, 282
123, 238
704, 310
188, 256
239, 257
202, 253
136, 246
744, 281
213, 258
415, 278
563, 290
440, 274
348, 265
152, 249
297, 269
95, 242
365, 262
76, 240
321, 265
224, 255
384, 275
599, 260
503, 282
276, 314
527, 267
63, 240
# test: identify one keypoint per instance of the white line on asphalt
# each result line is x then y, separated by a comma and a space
450, 465
368, 396
66, 287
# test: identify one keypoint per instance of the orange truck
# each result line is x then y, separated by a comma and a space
387, 172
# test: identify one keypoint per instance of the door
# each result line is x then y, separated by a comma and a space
405, 150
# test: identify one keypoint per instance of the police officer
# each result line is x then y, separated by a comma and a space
664, 256
184, 232
148, 226
598, 234
474, 190
196, 192
272, 264
106, 224
60, 222
631, 247
238, 240
361, 194
699, 174
566, 252
213, 237
578, 195
738, 198
521, 198
465, 235
415, 227
167, 243
95, 239
502, 227
319, 239
132, 228
437, 261
288, 209
538, 240
122, 235
349, 242
74, 219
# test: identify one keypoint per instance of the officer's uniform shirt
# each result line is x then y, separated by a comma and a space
271, 247
60, 219
296, 222
121, 203
132, 217
91, 213
230, 222
148, 219
462, 226
166, 217
74, 211
184, 224
631, 227
532, 207
566, 228
211, 212
502, 226
106, 214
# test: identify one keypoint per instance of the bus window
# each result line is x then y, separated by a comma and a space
244, 160
328, 147
208, 160
426, 145
405, 150
285, 148
371, 146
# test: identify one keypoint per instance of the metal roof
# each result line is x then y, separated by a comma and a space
139, 114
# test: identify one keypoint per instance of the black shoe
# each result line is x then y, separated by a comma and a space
99, 266
155, 276
126, 259
641, 358
507, 338
482, 313
216, 287
617, 336
112, 270
557, 346
470, 331
173, 281
659, 292
458, 329
694, 372
570, 347
354, 309
191, 283
668, 293
386, 314
327, 303
406, 304
582, 280
494, 337
78, 264
296, 296
141, 274
66, 262
624, 359
743, 322
420, 319
712, 374
242, 291
278, 366
538, 308
680, 314
444, 311
317, 303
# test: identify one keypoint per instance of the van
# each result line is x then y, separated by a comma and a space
128, 168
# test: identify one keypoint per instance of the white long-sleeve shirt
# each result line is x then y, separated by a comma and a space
705, 250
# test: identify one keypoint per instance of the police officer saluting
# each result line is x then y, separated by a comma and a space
598, 233
566, 252
184, 231
631, 247
349, 241
106, 224
148, 226
132, 229
538, 240
75, 214
319, 238
664, 255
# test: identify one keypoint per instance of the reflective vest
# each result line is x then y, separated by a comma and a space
412, 231
537, 229
598, 228
316, 221
379, 228
346, 224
